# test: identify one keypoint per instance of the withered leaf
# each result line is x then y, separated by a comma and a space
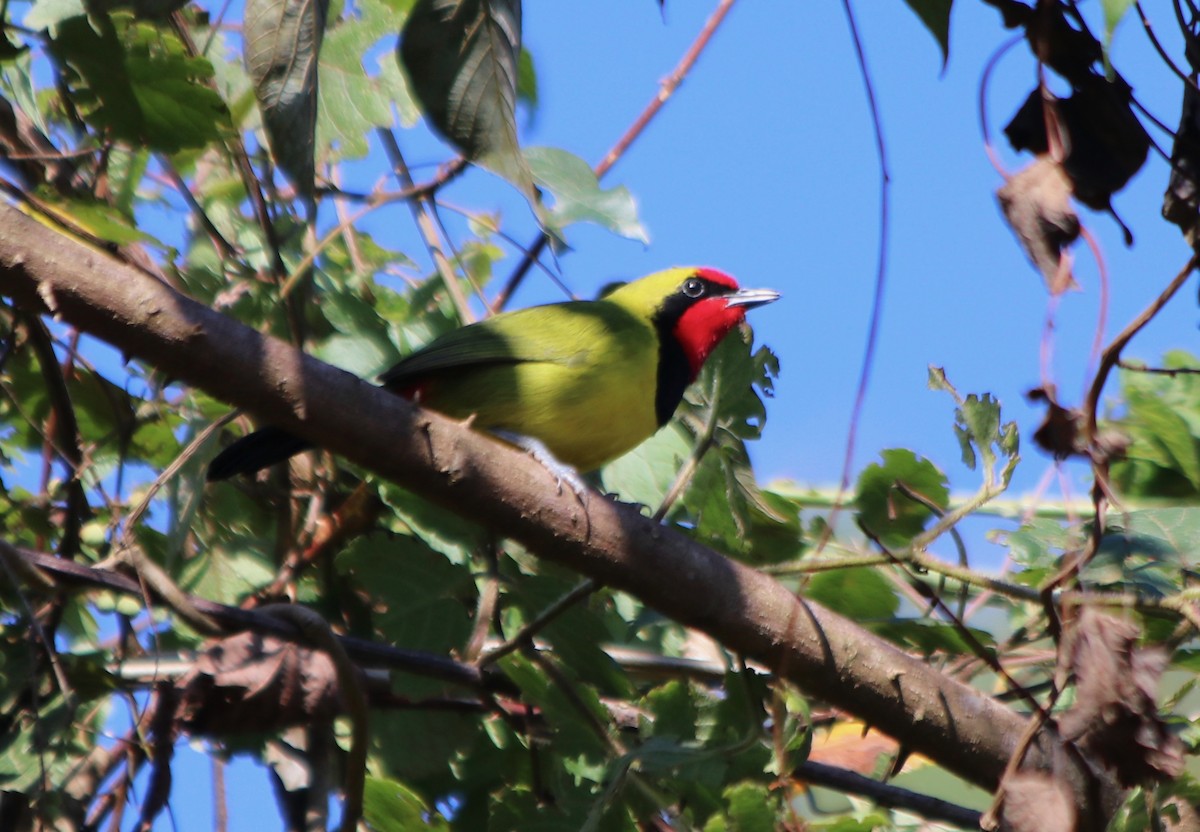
252, 682
1115, 715
1060, 432
1037, 204
1036, 803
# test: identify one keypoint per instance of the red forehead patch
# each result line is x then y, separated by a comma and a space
717, 276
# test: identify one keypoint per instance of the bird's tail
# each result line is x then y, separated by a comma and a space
255, 451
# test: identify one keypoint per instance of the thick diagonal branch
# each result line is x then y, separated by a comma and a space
493, 484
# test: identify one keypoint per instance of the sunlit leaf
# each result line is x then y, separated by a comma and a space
578, 196
860, 594
884, 507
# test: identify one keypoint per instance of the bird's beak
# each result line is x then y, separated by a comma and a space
750, 298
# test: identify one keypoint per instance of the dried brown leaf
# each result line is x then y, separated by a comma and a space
1061, 430
251, 682
1037, 204
1037, 803
1115, 715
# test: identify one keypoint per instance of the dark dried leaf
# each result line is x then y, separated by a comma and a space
282, 39
1037, 803
1060, 432
462, 57
1102, 141
1115, 716
1181, 202
1037, 204
251, 682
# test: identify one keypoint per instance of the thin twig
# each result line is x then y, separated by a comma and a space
1113, 352
868, 361
425, 223
885, 794
233, 619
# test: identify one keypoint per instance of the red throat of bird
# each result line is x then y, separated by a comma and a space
705, 323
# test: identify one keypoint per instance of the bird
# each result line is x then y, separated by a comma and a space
577, 383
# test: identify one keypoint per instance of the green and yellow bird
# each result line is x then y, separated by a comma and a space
585, 380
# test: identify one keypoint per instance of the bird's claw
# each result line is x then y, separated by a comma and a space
561, 472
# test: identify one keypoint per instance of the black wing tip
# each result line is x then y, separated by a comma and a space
253, 452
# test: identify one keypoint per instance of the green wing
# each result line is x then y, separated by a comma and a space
557, 334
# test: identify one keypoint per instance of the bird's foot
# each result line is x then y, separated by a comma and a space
562, 472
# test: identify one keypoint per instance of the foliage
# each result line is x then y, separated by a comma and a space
604, 717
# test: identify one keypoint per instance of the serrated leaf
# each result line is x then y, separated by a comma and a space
751, 808
935, 14
978, 423
885, 510
281, 44
578, 196
461, 57
353, 101
675, 710
860, 594
939, 381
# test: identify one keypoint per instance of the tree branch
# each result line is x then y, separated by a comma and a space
502, 488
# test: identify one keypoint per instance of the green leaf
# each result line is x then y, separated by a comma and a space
578, 196
979, 431
424, 598
751, 808
1166, 429
927, 637
1148, 551
225, 577
99, 218
643, 475
935, 14
1114, 13
572, 731
675, 710
860, 594
138, 83
352, 101
527, 84
461, 58
577, 635
281, 42
389, 806
887, 512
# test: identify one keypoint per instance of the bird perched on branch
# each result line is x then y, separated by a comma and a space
579, 383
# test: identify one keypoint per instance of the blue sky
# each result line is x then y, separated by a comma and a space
764, 165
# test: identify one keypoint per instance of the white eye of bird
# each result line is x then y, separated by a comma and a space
693, 287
